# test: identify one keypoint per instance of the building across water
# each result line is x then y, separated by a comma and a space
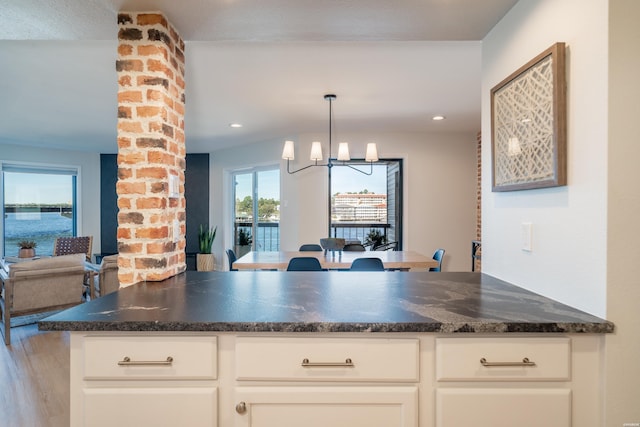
366, 207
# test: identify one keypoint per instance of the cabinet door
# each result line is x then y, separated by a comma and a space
327, 406
158, 407
503, 407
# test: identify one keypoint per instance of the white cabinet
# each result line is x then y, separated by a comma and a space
150, 357
503, 359
344, 406
132, 380
124, 406
327, 359
503, 407
541, 368
335, 379
310, 363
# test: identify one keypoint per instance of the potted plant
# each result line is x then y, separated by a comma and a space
204, 259
27, 249
244, 242
375, 239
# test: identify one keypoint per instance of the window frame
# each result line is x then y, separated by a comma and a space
255, 190
49, 169
399, 214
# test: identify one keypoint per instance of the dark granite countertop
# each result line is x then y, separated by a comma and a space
270, 301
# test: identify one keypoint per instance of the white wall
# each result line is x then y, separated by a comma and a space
568, 261
89, 181
439, 189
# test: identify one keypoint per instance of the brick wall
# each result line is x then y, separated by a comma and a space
478, 263
151, 148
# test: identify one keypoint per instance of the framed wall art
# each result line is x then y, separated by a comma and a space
529, 125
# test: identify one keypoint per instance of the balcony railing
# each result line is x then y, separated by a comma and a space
358, 231
267, 236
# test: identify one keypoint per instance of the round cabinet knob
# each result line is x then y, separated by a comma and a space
241, 408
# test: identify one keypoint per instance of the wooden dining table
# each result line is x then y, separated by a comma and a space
395, 260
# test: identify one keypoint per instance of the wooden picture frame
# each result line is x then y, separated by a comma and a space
529, 125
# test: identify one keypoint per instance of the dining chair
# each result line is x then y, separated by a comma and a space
332, 244
304, 264
73, 245
310, 247
232, 258
367, 264
438, 255
354, 247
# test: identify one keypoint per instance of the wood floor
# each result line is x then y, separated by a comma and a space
34, 378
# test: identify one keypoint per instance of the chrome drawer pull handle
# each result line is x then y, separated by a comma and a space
126, 361
525, 362
346, 364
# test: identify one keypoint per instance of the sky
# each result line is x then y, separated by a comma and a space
47, 189
36, 188
344, 180
268, 185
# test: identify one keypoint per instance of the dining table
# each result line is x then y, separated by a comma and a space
337, 260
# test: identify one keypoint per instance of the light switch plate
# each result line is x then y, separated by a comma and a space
526, 236
176, 231
174, 186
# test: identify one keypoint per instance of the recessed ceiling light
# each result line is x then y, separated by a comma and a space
438, 118
235, 125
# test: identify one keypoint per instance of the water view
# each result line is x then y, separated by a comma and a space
41, 227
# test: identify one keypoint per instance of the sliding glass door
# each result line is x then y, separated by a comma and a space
256, 214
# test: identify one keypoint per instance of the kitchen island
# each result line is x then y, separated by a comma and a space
316, 349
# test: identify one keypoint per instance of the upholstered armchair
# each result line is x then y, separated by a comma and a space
106, 280
41, 285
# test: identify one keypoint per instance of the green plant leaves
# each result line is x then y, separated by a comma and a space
206, 236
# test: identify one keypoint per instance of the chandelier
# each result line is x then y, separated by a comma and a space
371, 155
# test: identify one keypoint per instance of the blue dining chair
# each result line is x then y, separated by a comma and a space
304, 263
438, 255
232, 258
367, 264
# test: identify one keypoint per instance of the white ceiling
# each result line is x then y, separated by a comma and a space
266, 64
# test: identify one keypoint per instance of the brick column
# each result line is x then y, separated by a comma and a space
151, 148
478, 263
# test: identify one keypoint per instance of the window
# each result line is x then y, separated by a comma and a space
39, 203
367, 204
256, 210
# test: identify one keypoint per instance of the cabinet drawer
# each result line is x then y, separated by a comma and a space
459, 359
192, 357
326, 359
